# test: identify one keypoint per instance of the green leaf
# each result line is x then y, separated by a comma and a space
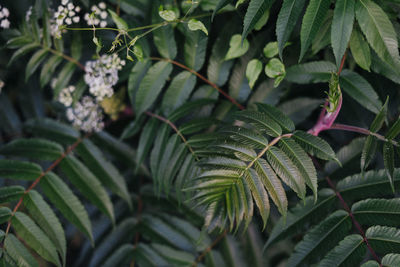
5, 214
151, 86
146, 140
377, 211
287, 20
298, 109
167, 15
312, 72
388, 160
173, 256
53, 130
164, 37
254, 13
272, 184
384, 239
64, 200
360, 90
18, 252
378, 30
349, 252
360, 50
320, 239
368, 152
48, 69
275, 70
391, 260
302, 215
120, 256
221, 4
11, 193
34, 62
178, 91
19, 170
64, 77
34, 148
314, 145
245, 136
286, 170
271, 49
197, 25
342, 26
121, 24
34, 237
195, 49
22, 51
302, 161
394, 131
84, 180
44, 216
262, 121
136, 76
379, 118
278, 116
237, 48
312, 20
323, 37
104, 170
253, 71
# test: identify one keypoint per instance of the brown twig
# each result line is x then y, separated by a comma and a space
38, 179
209, 248
231, 99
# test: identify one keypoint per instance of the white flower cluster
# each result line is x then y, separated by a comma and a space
65, 96
4, 22
86, 115
66, 12
102, 74
100, 15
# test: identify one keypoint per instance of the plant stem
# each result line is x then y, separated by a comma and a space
66, 57
231, 99
209, 248
355, 129
43, 174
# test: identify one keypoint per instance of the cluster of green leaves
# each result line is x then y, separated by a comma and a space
243, 165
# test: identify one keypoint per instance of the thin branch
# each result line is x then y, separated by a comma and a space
43, 174
231, 99
355, 129
355, 222
173, 126
209, 248
70, 59
342, 63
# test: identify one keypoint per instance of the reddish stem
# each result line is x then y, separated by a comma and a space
231, 99
37, 180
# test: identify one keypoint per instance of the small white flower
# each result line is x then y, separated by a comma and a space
102, 5
64, 2
77, 9
76, 19
103, 24
5, 24
70, 6
68, 21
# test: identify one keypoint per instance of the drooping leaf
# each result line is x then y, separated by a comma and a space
278, 116
164, 38
271, 49
377, 211
34, 62
388, 161
349, 252
315, 145
34, 148
151, 86
360, 49
262, 121
106, 172
287, 20
253, 71
378, 30
368, 152
121, 24
5, 214
254, 12
35, 237
393, 132
195, 49
19, 170
197, 25
178, 91
384, 239
286, 170
342, 26
136, 76
44, 216
380, 118
321, 238
11, 193
315, 14
88, 184
18, 252
64, 200
311, 72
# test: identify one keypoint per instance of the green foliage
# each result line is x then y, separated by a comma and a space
213, 152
